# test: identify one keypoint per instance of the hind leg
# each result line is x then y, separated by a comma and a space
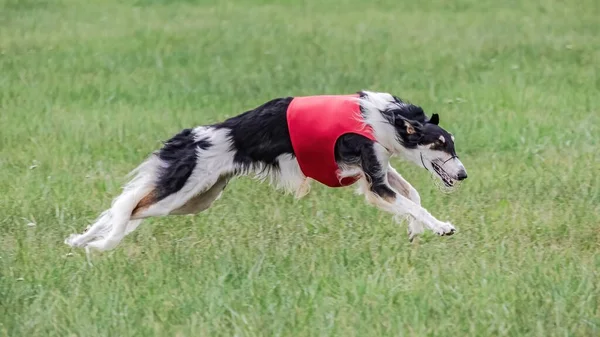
99, 228
177, 203
111, 225
132, 225
188, 165
118, 215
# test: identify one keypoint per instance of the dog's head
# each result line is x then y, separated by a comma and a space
430, 146
419, 139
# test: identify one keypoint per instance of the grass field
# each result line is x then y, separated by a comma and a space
89, 88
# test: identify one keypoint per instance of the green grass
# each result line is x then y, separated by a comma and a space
89, 88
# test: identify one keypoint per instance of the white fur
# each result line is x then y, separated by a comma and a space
400, 185
383, 131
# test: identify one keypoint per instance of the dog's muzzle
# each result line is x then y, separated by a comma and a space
448, 183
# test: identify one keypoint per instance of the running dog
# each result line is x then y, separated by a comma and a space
337, 140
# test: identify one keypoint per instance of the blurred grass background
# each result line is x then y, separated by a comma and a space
89, 89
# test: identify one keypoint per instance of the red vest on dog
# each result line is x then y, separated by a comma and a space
315, 124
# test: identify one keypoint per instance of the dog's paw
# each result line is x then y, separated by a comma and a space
445, 228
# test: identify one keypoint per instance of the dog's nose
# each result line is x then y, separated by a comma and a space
462, 175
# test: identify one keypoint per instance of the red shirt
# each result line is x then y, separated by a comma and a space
315, 124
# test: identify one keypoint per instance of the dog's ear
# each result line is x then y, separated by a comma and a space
435, 119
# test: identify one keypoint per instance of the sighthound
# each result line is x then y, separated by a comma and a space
337, 140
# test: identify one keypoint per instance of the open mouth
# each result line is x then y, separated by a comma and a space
448, 181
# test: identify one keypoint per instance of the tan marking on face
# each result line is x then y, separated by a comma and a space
442, 139
452, 136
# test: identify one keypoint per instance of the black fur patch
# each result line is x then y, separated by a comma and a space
355, 149
261, 134
430, 135
180, 155
349, 148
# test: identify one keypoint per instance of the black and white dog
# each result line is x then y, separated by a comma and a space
191, 170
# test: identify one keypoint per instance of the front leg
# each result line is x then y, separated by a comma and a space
378, 192
383, 197
400, 185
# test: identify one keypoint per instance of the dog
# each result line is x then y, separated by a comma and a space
337, 140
